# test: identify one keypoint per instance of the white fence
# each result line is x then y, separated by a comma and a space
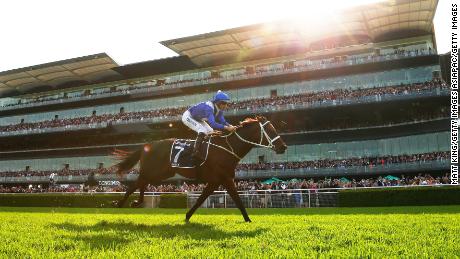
291, 198
272, 199
301, 198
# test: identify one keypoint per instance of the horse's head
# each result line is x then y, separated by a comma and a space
262, 133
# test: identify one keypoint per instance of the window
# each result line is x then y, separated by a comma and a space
261, 159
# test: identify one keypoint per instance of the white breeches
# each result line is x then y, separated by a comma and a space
198, 127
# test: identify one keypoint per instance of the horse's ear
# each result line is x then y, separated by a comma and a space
261, 118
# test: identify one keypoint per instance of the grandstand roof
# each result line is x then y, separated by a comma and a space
156, 67
380, 21
59, 74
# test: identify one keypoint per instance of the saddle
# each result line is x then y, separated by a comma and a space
181, 152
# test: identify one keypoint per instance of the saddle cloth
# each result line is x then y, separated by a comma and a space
181, 153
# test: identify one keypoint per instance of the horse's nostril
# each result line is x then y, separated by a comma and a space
281, 149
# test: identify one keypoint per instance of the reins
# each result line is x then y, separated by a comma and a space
263, 133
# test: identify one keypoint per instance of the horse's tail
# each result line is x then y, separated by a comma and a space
130, 159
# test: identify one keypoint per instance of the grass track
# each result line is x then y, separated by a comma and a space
326, 232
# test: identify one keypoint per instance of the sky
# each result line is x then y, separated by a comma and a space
37, 32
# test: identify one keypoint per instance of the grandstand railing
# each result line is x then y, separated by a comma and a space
56, 129
395, 168
281, 133
249, 111
350, 62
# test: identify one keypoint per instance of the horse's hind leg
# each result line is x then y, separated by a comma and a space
142, 185
230, 186
130, 191
204, 195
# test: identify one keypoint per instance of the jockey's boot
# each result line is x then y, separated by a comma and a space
196, 155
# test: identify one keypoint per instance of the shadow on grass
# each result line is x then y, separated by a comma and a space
444, 209
105, 234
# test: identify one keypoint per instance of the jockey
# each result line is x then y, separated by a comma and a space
205, 117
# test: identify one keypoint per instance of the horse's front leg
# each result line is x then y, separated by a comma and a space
208, 190
231, 188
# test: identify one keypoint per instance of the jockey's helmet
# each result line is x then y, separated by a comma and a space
221, 97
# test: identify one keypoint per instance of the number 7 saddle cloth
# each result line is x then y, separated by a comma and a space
181, 153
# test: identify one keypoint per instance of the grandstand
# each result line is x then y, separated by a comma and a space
365, 99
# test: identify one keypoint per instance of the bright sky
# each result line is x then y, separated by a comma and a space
37, 32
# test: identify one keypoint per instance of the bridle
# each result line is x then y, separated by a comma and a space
263, 133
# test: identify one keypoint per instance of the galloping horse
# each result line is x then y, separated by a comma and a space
219, 168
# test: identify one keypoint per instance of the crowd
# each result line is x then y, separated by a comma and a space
344, 183
325, 163
343, 163
252, 104
311, 183
259, 70
338, 94
56, 123
250, 186
62, 172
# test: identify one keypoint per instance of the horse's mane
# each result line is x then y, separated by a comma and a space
248, 121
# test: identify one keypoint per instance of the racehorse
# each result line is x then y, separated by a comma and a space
224, 153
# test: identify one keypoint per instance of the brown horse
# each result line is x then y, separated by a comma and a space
219, 168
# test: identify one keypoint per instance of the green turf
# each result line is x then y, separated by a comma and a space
333, 232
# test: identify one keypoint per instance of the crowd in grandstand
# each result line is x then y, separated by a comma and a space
62, 172
343, 163
312, 184
252, 104
289, 184
337, 94
325, 163
259, 70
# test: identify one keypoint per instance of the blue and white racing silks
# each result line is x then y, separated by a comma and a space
207, 111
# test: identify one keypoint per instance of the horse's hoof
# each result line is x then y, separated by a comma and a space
187, 221
115, 204
136, 204
248, 220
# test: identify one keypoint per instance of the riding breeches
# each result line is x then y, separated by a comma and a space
197, 126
